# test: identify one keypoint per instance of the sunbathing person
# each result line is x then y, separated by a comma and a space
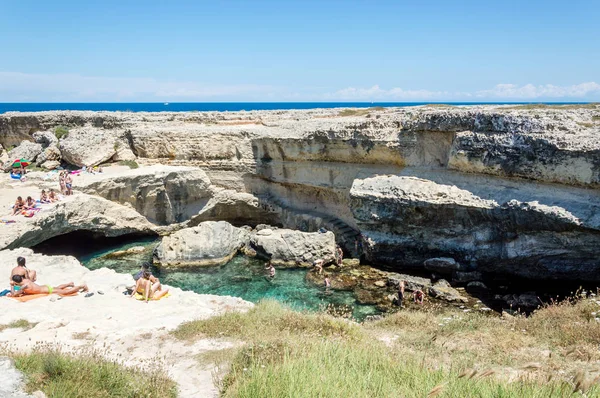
29, 203
28, 287
144, 287
22, 271
156, 285
52, 196
19, 206
44, 197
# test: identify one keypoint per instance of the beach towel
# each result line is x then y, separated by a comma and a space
4, 221
141, 297
30, 212
30, 297
4, 292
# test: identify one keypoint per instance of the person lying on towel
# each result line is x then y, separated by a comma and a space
22, 271
27, 287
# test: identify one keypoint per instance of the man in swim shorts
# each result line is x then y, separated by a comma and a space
22, 271
28, 287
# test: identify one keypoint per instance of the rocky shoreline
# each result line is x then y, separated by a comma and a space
475, 198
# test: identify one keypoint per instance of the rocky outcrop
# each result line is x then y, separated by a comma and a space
77, 213
12, 382
49, 158
405, 220
88, 147
238, 208
163, 194
285, 247
45, 138
506, 189
210, 243
27, 150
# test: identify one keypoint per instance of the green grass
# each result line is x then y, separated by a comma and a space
406, 354
348, 369
64, 376
21, 324
360, 112
131, 163
268, 318
61, 132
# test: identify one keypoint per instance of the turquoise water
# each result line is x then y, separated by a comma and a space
241, 277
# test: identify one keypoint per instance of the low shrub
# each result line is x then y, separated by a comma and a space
268, 318
61, 132
62, 376
132, 164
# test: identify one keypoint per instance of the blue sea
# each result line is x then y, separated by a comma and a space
213, 106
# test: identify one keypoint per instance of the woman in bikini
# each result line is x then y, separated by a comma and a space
143, 286
61, 182
19, 206
44, 197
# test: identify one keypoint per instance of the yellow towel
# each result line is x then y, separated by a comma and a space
141, 296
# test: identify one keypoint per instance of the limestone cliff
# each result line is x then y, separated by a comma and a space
507, 189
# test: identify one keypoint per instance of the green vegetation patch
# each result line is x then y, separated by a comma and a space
334, 368
269, 318
61, 132
132, 164
64, 376
20, 324
360, 112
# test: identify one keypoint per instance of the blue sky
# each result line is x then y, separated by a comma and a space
299, 50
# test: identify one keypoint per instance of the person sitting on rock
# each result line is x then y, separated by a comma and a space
18, 206
143, 286
270, 269
22, 271
318, 264
52, 197
156, 285
27, 287
44, 197
418, 296
29, 203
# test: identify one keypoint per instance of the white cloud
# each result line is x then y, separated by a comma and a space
23, 87
16, 86
377, 93
500, 92
529, 91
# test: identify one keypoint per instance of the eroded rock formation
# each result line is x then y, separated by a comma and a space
209, 243
500, 189
77, 213
165, 195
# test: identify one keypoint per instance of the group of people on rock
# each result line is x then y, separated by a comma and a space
28, 206
65, 182
23, 281
418, 295
147, 285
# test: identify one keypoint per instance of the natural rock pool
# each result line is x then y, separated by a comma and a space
241, 277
